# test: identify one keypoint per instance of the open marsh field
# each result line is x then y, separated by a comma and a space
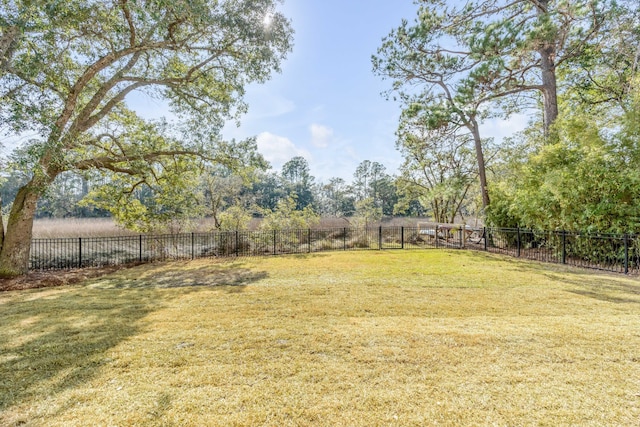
101, 227
339, 339
48, 228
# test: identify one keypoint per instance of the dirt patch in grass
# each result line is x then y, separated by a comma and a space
157, 275
47, 279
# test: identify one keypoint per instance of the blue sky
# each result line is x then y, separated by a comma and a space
326, 104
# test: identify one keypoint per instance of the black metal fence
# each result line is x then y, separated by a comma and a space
606, 252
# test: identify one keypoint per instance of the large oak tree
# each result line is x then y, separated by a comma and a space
66, 69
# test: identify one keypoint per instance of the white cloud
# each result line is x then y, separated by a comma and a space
278, 149
320, 135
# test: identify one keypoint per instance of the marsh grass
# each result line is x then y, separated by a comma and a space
341, 339
50, 228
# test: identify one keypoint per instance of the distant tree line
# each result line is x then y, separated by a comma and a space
229, 198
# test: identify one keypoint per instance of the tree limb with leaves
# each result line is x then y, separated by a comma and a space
438, 168
68, 67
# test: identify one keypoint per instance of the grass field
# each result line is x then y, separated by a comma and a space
339, 339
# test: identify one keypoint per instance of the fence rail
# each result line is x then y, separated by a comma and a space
616, 253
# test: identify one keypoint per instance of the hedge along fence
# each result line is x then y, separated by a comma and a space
605, 252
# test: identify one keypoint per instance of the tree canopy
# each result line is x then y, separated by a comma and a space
462, 62
67, 68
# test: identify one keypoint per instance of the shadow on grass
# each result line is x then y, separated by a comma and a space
319, 254
600, 285
233, 276
609, 289
508, 261
52, 340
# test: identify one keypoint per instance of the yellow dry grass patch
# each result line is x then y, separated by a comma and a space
341, 339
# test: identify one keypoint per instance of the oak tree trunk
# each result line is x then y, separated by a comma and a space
1, 225
16, 244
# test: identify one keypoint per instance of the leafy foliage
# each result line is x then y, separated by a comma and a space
167, 204
234, 218
586, 180
460, 63
286, 216
298, 181
336, 198
371, 181
367, 212
438, 169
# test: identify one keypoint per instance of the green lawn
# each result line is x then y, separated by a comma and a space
353, 339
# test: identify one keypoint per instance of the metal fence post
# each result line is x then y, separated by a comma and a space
344, 239
380, 238
236, 243
484, 233
193, 254
564, 246
309, 239
79, 252
626, 254
274, 242
402, 237
519, 244
460, 233
140, 249
436, 236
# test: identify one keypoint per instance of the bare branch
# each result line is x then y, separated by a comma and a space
100, 94
127, 16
